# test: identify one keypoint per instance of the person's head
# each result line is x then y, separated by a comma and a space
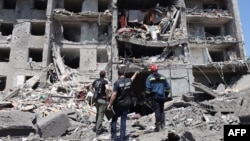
102, 74
153, 68
121, 72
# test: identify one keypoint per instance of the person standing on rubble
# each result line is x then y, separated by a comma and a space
101, 85
157, 88
121, 101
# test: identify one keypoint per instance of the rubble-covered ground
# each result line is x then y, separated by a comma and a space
64, 111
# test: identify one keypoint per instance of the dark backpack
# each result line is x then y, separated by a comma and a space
98, 89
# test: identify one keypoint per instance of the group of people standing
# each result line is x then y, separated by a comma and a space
157, 88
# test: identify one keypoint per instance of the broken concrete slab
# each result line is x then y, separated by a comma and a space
53, 125
16, 123
205, 89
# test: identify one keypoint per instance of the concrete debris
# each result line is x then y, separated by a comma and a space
205, 89
62, 110
158, 24
16, 123
53, 125
209, 12
213, 40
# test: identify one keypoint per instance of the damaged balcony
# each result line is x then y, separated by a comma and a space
218, 42
89, 16
154, 27
216, 36
83, 11
140, 57
208, 12
208, 16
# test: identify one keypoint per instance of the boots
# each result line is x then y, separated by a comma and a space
158, 127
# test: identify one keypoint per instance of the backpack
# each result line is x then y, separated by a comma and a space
98, 89
124, 99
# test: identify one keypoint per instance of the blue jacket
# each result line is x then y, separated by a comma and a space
157, 85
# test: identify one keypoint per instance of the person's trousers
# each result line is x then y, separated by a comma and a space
101, 106
123, 113
158, 107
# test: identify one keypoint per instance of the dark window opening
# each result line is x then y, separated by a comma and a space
130, 50
103, 33
102, 56
6, 29
103, 5
35, 54
72, 32
73, 5
212, 31
165, 3
217, 56
210, 6
2, 82
71, 57
4, 54
37, 29
136, 4
9, 4
40, 4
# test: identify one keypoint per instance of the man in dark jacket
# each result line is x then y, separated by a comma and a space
121, 102
101, 86
158, 88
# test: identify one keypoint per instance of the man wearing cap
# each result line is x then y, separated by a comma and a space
157, 88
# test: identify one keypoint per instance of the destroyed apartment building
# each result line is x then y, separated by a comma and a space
57, 48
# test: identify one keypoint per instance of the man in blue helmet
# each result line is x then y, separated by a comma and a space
158, 88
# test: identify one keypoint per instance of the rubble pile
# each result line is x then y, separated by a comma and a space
64, 111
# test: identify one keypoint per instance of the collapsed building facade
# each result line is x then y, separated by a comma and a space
58, 46
190, 41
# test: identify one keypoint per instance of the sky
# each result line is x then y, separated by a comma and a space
244, 9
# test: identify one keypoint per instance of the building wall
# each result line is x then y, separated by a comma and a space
90, 44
